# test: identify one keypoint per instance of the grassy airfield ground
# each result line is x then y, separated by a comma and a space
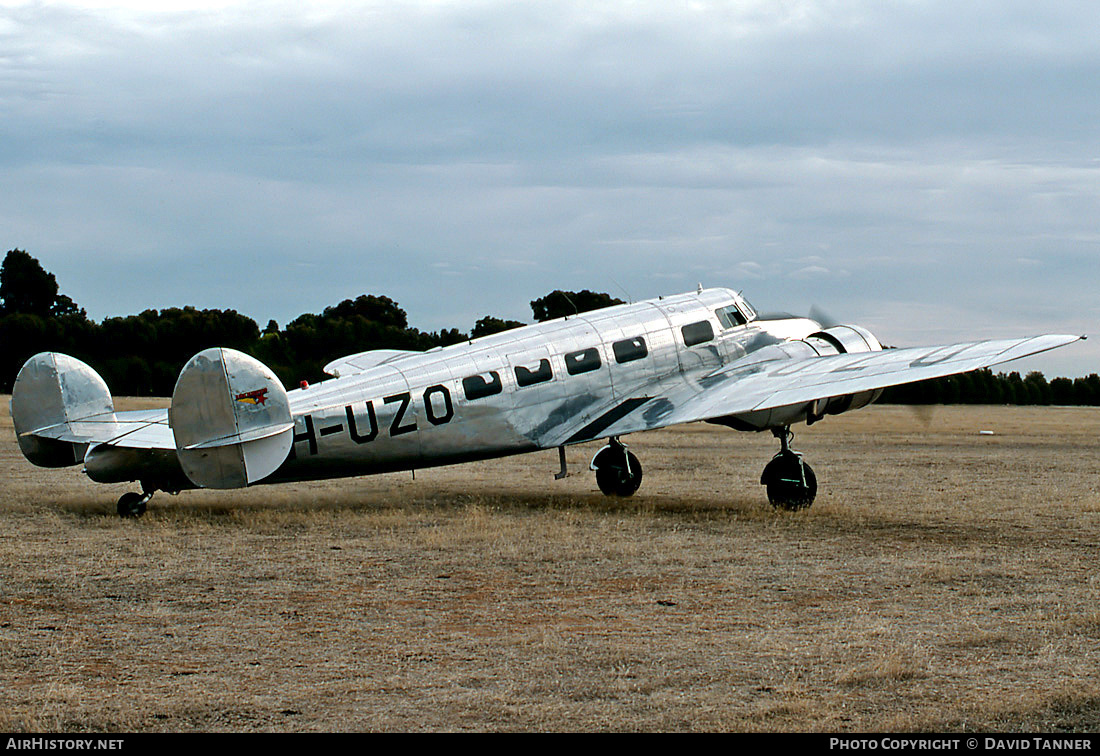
943, 580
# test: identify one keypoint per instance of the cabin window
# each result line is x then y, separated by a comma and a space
697, 333
584, 361
629, 350
481, 386
528, 377
730, 317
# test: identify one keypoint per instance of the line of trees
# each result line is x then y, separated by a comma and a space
142, 354
985, 387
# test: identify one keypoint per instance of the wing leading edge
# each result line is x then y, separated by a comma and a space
754, 384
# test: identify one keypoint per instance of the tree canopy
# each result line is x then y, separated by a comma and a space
489, 325
26, 287
559, 304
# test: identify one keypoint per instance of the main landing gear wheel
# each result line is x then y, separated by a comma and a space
791, 482
618, 471
132, 504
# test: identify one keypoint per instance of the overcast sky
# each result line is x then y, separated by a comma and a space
930, 170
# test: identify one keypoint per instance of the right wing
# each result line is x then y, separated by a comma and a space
770, 378
739, 388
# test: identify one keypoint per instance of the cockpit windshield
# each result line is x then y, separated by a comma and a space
730, 317
736, 314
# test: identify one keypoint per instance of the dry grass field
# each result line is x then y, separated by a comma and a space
943, 581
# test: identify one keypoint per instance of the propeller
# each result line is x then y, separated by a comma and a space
923, 412
825, 319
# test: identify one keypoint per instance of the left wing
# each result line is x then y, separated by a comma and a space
364, 361
762, 381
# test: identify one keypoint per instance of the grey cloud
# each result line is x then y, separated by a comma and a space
434, 152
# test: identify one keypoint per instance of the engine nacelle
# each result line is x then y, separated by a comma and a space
841, 339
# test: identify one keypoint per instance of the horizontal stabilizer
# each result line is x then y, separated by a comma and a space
230, 418
256, 434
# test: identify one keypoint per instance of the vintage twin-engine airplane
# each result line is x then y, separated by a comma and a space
704, 355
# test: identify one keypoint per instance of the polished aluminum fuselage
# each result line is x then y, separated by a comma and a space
702, 356
417, 411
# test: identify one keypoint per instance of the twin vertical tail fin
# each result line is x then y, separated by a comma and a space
230, 423
230, 419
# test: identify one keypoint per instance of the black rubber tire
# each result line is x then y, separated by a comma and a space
612, 476
132, 504
791, 482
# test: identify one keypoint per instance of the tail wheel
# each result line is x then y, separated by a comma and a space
791, 482
132, 505
618, 472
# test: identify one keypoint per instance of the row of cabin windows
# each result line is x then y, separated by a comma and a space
576, 363
587, 360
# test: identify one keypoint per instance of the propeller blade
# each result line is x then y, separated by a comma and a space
822, 317
923, 412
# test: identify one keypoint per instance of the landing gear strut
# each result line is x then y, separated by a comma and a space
618, 471
791, 482
132, 504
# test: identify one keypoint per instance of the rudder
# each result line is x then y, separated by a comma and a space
230, 418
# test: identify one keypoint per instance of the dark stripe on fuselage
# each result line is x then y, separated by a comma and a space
605, 420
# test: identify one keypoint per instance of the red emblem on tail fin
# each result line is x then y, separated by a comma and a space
259, 396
